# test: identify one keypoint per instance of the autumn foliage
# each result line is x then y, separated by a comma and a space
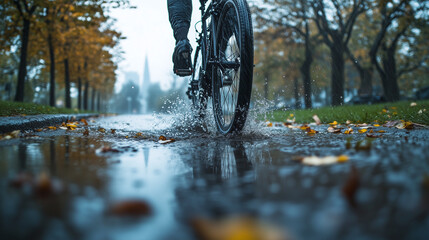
63, 43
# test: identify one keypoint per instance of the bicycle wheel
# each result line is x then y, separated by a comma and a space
199, 93
232, 74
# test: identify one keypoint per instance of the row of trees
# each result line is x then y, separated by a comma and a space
387, 37
59, 43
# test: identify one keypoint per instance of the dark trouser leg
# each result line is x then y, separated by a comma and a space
179, 12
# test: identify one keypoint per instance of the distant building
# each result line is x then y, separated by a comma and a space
144, 85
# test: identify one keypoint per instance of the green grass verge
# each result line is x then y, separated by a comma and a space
8, 108
359, 113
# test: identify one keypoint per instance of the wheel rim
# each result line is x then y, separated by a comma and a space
227, 80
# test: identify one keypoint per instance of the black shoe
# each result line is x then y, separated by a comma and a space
182, 58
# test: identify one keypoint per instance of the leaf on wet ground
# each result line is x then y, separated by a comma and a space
268, 123
351, 186
317, 120
83, 120
318, 161
334, 129
10, 135
163, 140
131, 208
362, 130
52, 128
102, 130
348, 131
237, 228
112, 131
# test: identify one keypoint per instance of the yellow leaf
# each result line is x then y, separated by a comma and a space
348, 131
362, 130
343, 158
381, 131
52, 128
102, 130
376, 125
333, 123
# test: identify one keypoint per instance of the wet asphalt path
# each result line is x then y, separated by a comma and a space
204, 175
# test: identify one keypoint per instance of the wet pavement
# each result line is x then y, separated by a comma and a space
380, 192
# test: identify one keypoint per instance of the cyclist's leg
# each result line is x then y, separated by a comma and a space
180, 12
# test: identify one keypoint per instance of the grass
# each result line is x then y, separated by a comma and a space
8, 108
359, 113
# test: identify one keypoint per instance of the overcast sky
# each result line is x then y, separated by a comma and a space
148, 32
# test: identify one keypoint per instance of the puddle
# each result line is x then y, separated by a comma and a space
205, 175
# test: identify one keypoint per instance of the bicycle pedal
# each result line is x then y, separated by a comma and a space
184, 72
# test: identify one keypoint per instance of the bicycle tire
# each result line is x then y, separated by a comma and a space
232, 86
199, 98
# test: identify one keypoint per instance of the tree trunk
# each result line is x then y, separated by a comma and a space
337, 75
67, 83
52, 70
79, 93
22, 71
85, 95
365, 81
296, 94
99, 102
389, 81
93, 99
305, 70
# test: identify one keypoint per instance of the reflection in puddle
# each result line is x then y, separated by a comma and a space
214, 179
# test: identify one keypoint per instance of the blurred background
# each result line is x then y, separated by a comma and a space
115, 56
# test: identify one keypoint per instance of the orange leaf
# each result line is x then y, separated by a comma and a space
131, 208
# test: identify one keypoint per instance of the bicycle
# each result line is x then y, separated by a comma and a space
223, 63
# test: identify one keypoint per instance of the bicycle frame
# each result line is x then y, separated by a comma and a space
207, 59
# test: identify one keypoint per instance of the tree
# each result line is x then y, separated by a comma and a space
291, 20
336, 33
396, 19
26, 10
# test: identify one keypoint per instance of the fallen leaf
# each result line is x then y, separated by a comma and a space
52, 128
317, 119
351, 186
84, 121
376, 125
38, 130
43, 186
164, 140
236, 228
317, 161
362, 130
310, 131
348, 131
334, 130
131, 207
333, 123
269, 124
102, 130
381, 131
